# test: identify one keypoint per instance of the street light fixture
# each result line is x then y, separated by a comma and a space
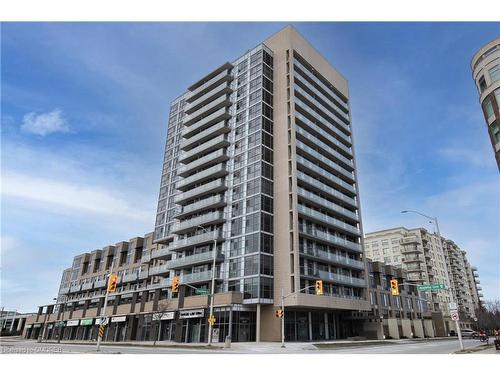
210, 327
435, 220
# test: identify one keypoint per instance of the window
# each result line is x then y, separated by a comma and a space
494, 73
482, 84
488, 108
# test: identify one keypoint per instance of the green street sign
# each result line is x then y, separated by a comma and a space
426, 288
202, 291
60, 324
86, 322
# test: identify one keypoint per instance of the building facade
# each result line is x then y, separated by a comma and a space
407, 315
486, 74
430, 261
258, 179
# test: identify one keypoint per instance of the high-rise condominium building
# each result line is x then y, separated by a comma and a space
259, 179
259, 168
486, 73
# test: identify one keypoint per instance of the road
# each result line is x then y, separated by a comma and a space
443, 346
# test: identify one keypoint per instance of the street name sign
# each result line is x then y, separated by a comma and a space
202, 291
427, 287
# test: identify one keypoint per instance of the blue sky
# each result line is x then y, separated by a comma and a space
85, 108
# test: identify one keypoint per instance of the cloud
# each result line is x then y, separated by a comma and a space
44, 123
77, 197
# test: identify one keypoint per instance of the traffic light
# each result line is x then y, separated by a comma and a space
394, 287
113, 280
319, 287
175, 284
279, 313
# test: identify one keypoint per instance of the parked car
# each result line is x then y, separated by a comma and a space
469, 333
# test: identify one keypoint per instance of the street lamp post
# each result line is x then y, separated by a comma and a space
210, 327
435, 220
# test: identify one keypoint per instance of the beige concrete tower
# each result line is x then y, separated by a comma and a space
486, 73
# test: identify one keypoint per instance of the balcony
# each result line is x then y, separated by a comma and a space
198, 277
219, 128
204, 204
146, 258
329, 137
87, 286
218, 170
129, 277
207, 110
193, 260
211, 145
64, 290
330, 238
325, 112
326, 204
75, 288
196, 91
158, 270
100, 283
206, 122
322, 172
199, 239
409, 240
325, 189
334, 277
324, 160
332, 153
328, 220
161, 253
411, 249
209, 96
411, 259
215, 157
211, 187
307, 73
325, 256
342, 112
202, 220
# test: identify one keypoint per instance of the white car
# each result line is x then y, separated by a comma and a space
467, 332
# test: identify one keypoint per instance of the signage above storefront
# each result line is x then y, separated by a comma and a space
188, 314
116, 319
86, 322
72, 323
165, 316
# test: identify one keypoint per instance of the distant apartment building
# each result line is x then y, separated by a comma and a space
420, 254
486, 74
259, 174
407, 315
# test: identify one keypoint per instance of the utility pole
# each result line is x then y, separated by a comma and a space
103, 315
283, 319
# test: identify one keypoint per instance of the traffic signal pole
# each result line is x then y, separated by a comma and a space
103, 315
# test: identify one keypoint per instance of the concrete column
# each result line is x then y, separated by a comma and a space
327, 334
309, 316
257, 329
20, 324
12, 324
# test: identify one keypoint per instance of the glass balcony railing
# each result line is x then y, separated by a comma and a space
87, 286
218, 169
160, 253
216, 156
223, 101
333, 258
195, 259
322, 85
217, 142
198, 277
219, 128
330, 238
326, 189
343, 122
223, 88
323, 159
206, 203
200, 125
325, 134
326, 203
326, 219
224, 75
334, 277
324, 146
217, 185
158, 270
198, 239
100, 283
211, 217
342, 112
330, 177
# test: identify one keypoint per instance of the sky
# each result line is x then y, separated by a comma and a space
84, 112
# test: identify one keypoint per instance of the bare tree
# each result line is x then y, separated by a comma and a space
158, 315
488, 315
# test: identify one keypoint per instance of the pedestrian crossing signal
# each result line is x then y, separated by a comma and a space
113, 280
394, 287
319, 287
280, 313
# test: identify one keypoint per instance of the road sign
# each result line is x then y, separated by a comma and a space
454, 316
103, 321
211, 320
202, 291
428, 287
101, 331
